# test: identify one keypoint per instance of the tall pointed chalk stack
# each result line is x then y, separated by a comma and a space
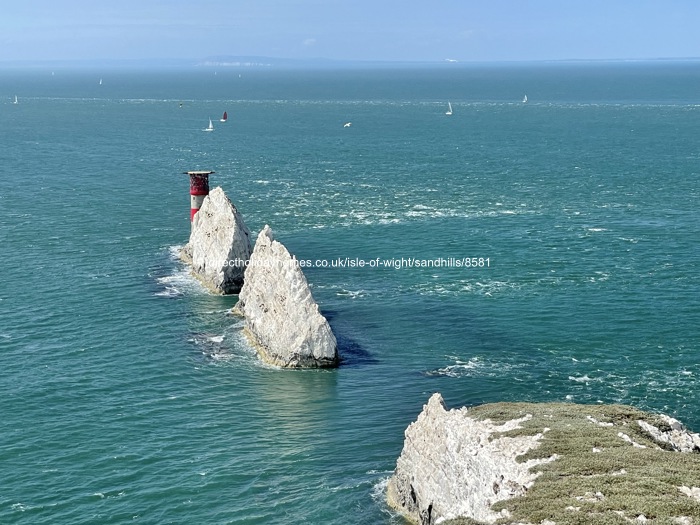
219, 246
281, 316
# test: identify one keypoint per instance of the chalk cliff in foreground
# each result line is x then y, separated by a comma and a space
281, 316
219, 244
549, 463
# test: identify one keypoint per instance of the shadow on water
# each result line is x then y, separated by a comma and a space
352, 353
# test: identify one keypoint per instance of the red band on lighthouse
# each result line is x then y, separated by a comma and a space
199, 183
199, 188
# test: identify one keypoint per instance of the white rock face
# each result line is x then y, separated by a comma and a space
677, 437
448, 467
281, 316
219, 245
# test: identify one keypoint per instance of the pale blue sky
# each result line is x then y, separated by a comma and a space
403, 30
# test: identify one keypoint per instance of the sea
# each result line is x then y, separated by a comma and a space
545, 251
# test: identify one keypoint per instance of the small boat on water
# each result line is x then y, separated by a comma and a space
449, 109
210, 127
224, 118
15, 101
525, 99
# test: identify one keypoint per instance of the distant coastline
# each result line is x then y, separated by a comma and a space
262, 62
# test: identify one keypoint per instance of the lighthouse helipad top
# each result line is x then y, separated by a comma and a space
198, 172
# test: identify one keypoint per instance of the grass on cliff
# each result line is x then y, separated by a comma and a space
613, 485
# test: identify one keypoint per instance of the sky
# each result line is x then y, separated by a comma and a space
374, 30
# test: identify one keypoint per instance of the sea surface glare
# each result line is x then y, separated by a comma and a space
130, 395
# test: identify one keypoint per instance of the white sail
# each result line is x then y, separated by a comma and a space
210, 127
449, 109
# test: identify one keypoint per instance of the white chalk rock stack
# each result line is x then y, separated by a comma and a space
282, 319
219, 245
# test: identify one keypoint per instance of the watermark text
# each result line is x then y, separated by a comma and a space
398, 263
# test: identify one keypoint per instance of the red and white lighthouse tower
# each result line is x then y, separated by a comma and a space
199, 188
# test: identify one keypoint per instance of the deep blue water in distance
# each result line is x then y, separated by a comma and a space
129, 394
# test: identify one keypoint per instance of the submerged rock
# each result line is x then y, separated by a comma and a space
526, 463
219, 245
281, 316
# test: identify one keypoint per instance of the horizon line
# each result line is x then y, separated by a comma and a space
253, 61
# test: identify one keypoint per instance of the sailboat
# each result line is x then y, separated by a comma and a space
449, 110
210, 127
525, 99
15, 101
224, 118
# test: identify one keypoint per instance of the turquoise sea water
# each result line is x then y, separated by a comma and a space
128, 393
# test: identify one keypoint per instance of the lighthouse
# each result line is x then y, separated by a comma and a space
199, 188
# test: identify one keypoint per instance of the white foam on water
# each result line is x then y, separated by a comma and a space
233, 348
349, 486
460, 368
350, 294
384, 473
581, 379
379, 489
636, 387
378, 495
465, 286
181, 281
212, 346
474, 367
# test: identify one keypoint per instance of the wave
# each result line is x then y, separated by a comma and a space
473, 367
180, 282
581, 379
351, 294
369, 479
465, 286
